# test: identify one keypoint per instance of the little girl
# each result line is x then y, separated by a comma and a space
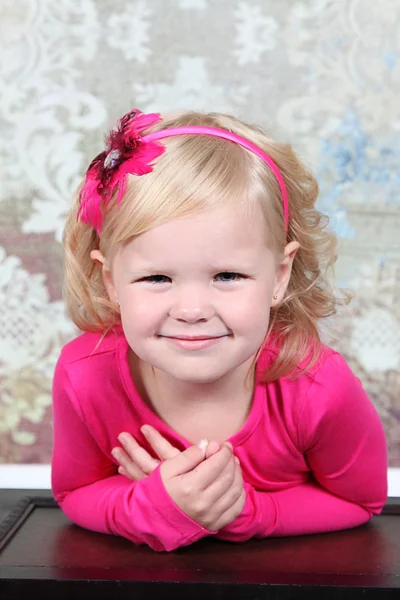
200, 401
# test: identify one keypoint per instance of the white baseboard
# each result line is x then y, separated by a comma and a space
38, 477
30, 477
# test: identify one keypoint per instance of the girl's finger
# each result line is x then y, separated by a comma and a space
232, 513
227, 488
127, 466
138, 454
162, 447
125, 473
209, 470
212, 448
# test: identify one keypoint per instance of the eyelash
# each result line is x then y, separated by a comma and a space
240, 275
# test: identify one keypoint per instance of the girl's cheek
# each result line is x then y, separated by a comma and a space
143, 315
138, 301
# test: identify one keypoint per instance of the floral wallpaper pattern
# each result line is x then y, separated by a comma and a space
323, 74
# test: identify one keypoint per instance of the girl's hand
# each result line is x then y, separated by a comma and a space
207, 485
135, 463
209, 490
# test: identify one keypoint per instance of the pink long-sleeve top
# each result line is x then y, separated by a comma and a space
313, 451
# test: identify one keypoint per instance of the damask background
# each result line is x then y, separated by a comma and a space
323, 74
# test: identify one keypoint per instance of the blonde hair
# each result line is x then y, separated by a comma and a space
197, 173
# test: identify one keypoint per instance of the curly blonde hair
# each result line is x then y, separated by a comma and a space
200, 172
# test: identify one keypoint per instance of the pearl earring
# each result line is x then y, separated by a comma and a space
275, 297
118, 304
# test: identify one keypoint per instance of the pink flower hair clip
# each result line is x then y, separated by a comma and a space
128, 152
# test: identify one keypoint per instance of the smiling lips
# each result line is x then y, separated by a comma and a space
194, 337
189, 342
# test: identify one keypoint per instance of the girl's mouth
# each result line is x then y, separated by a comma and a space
195, 343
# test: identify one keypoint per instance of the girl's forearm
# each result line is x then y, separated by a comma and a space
304, 509
140, 511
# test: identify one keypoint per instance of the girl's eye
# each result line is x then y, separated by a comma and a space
227, 276
155, 278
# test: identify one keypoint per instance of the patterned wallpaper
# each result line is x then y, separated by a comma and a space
324, 74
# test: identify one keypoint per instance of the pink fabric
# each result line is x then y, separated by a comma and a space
313, 452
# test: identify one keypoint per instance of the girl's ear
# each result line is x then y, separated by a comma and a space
284, 270
99, 257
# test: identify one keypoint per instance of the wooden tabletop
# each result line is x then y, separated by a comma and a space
43, 555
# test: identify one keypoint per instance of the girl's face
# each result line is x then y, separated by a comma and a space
208, 275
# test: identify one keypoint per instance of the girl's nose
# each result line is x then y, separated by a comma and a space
192, 307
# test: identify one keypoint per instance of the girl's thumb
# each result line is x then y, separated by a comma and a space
186, 461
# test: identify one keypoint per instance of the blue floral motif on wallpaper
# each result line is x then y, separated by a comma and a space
352, 162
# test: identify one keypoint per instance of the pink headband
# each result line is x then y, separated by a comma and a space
128, 152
